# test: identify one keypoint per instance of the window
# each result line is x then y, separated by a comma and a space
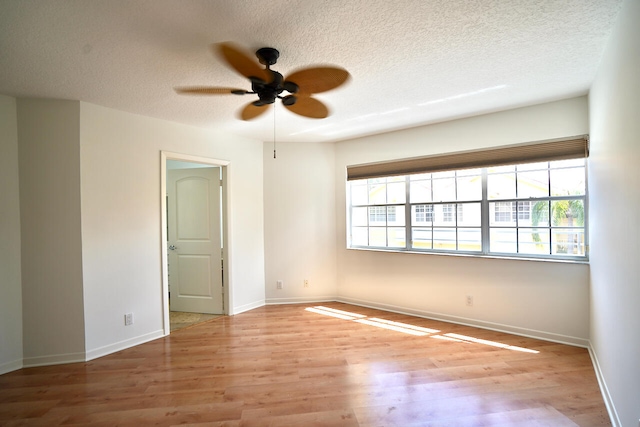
551, 220
525, 210
508, 211
377, 214
504, 212
423, 213
448, 213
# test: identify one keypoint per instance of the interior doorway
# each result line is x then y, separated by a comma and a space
194, 237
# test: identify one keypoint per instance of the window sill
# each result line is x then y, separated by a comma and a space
469, 255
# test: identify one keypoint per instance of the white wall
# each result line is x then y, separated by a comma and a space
49, 162
614, 211
299, 206
10, 275
89, 211
544, 299
121, 217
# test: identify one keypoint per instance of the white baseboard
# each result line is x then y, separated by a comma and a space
299, 300
246, 307
515, 330
55, 359
608, 401
11, 366
122, 345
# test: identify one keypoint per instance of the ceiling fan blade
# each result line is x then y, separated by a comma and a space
318, 79
209, 90
309, 107
242, 62
251, 111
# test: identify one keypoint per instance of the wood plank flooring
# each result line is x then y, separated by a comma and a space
180, 319
290, 366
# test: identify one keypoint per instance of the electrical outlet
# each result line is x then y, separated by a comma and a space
279, 284
470, 300
306, 283
128, 319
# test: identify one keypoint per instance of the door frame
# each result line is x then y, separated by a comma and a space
226, 277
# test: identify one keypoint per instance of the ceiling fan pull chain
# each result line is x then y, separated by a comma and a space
274, 131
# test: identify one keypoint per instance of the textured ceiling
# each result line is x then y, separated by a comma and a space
412, 62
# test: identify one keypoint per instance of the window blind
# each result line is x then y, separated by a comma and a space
573, 148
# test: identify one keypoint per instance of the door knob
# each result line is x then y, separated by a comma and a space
173, 247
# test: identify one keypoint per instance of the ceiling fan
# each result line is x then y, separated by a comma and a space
270, 85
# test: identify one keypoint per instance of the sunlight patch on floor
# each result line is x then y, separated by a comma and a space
409, 329
371, 322
490, 343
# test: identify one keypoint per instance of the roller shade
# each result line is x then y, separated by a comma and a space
508, 155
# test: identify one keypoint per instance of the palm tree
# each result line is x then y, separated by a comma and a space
566, 212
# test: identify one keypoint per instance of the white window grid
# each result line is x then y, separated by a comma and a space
518, 210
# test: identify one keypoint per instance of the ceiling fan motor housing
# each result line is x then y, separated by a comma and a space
267, 56
268, 92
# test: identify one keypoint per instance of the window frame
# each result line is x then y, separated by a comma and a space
485, 227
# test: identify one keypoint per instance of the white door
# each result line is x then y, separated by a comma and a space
195, 254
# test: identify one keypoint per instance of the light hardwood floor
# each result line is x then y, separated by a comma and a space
289, 366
